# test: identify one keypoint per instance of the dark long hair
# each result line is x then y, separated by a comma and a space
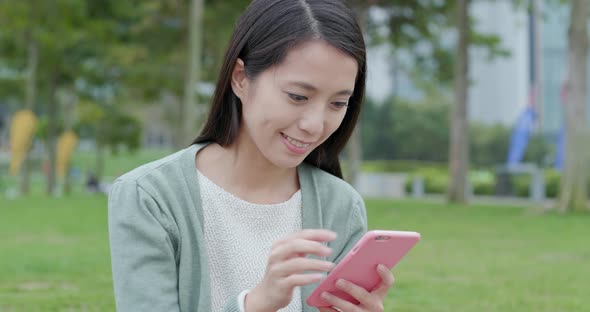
263, 36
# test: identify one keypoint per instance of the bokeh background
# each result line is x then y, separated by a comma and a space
474, 133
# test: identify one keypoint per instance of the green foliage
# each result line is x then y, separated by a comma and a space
43, 128
488, 144
401, 130
401, 165
521, 184
435, 181
404, 130
108, 126
120, 130
483, 182
422, 31
377, 139
421, 131
552, 183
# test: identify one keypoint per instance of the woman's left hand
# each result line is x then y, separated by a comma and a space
369, 301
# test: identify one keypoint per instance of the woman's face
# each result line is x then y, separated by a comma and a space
292, 108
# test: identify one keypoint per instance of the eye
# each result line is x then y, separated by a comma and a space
339, 105
297, 98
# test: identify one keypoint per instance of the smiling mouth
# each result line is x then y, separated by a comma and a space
296, 143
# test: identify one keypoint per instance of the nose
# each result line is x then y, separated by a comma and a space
312, 120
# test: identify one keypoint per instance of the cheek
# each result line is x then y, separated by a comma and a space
334, 122
266, 114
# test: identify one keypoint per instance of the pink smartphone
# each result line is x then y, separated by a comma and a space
359, 266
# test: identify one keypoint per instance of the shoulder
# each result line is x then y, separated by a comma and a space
163, 180
154, 189
145, 171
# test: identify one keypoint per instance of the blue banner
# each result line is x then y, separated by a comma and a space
520, 136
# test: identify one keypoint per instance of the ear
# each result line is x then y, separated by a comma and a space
239, 81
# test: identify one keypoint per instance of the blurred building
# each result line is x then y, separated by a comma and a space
500, 87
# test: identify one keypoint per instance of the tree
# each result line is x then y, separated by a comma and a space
189, 106
573, 194
354, 146
459, 151
414, 23
21, 20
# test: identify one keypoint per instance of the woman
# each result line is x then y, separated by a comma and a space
252, 215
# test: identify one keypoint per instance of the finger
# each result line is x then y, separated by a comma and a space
299, 265
339, 303
295, 247
302, 279
362, 295
319, 235
387, 281
327, 309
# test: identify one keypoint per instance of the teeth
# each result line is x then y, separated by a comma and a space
295, 142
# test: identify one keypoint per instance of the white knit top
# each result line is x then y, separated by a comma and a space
239, 236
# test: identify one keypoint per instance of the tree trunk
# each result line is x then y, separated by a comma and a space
538, 62
173, 117
30, 99
188, 108
354, 151
51, 137
573, 191
459, 151
99, 165
67, 105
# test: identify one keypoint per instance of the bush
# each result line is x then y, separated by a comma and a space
435, 181
390, 130
401, 166
552, 181
522, 184
483, 182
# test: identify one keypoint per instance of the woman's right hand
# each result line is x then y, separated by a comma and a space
285, 268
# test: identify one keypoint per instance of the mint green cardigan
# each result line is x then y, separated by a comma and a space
159, 259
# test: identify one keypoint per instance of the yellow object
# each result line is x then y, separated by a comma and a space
22, 130
65, 148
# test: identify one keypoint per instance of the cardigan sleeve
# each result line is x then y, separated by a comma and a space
236, 304
356, 228
142, 247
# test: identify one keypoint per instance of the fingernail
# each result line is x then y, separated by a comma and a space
340, 283
382, 268
325, 295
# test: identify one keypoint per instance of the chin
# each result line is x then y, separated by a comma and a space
287, 161
288, 164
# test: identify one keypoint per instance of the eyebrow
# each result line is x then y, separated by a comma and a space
309, 87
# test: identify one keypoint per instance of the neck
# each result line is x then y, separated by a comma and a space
242, 170
248, 167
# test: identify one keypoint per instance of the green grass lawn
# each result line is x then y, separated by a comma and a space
117, 164
54, 257
84, 162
